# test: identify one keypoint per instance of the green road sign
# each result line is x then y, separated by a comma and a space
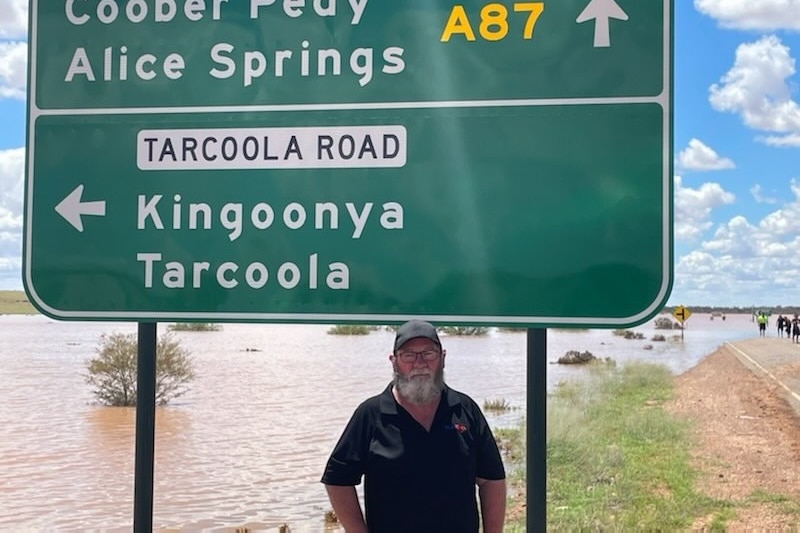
347, 161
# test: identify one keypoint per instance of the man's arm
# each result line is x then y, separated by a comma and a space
492, 493
345, 504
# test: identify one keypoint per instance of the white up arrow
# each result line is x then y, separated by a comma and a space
601, 11
72, 209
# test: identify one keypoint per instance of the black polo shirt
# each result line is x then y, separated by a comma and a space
416, 481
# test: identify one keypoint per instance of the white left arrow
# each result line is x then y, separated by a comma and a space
72, 209
601, 11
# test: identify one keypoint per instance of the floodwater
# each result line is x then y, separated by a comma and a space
247, 444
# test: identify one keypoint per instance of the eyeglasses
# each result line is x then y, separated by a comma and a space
411, 357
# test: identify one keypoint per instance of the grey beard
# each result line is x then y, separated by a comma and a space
419, 391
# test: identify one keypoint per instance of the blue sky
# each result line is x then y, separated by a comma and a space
736, 150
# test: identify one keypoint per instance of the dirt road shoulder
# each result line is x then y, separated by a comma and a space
747, 440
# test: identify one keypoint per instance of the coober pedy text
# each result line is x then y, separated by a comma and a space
129, 61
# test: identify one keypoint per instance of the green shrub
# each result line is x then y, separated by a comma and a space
112, 372
194, 326
349, 329
497, 405
476, 331
663, 322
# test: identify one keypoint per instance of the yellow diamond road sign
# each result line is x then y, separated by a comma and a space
681, 313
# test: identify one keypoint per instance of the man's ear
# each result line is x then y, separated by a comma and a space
444, 353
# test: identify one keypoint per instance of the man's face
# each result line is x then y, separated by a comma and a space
419, 370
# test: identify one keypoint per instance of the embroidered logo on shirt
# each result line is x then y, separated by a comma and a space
461, 428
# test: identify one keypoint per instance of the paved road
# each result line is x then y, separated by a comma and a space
776, 359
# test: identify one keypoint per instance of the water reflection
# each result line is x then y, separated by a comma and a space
246, 445
111, 426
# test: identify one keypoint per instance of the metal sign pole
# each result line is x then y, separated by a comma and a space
536, 463
145, 429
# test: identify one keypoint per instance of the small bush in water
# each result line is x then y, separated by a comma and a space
113, 371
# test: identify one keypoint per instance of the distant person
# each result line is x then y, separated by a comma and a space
781, 322
762, 325
421, 447
795, 329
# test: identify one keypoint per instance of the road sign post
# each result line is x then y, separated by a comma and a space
473, 162
682, 314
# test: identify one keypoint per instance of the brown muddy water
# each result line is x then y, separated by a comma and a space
246, 446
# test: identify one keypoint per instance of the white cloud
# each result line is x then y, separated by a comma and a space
743, 261
12, 163
700, 274
756, 193
781, 141
756, 87
697, 156
761, 15
13, 70
725, 280
693, 208
13, 19
10, 273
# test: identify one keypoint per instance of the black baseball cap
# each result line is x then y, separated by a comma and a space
414, 329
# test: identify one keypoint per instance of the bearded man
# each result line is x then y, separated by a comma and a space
421, 448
